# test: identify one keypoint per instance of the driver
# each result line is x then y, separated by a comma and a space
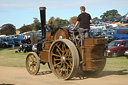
84, 19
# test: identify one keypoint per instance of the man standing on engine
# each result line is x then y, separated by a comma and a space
84, 19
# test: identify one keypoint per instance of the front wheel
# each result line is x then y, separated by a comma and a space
32, 63
114, 54
3, 45
64, 59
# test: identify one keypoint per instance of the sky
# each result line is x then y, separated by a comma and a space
20, 12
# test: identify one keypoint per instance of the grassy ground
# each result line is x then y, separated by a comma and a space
8, 57
116, 63
116, 66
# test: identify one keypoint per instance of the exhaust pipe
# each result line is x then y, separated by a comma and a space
43, 21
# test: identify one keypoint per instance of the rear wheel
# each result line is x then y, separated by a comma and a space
32, 63
3, 45
64, 59
114, 54
96, 72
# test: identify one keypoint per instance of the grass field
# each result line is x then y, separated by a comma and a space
8, 57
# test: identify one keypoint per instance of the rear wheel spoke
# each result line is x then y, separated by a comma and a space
57, 64
58, 52
70, 66
56, 55
59, 48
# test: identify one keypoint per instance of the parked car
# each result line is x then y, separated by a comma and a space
123, 20
109, 36
0, 42
34, 47
39, 37
19, 37
126, 53
123, 26
117, 48
6, 42
17, 41
126, 26
39, 32
121, 34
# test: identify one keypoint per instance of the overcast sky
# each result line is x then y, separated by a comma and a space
20, 12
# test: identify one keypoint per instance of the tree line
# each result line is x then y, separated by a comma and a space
10, 29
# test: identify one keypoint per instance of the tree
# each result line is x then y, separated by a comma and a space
57, 22
110, 14
65, 22
54, 23
8, 29
126, 16
95, 18
36, 24
51, 21
25, 28
73, 20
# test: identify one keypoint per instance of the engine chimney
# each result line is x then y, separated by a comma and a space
43, 21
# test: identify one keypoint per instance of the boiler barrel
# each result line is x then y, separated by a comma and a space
43, 21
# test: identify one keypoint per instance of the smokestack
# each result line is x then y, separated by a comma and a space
43, 21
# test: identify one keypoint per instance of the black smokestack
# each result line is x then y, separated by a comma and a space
43, 21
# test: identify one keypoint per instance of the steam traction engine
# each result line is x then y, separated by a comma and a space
62, 51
